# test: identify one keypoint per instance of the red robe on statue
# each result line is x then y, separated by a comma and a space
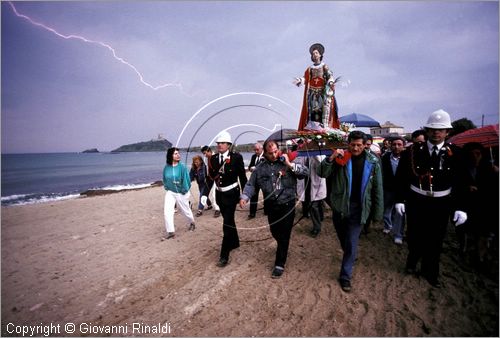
314, 88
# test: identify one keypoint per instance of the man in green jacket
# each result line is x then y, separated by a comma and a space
356, 194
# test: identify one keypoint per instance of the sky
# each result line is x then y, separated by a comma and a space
84, 75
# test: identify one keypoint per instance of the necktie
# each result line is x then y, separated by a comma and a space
434, 157
221, 161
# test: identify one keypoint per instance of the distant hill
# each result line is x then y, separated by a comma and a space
163, 145
153, 145
93, 150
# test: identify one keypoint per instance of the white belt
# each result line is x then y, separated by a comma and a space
227, 188
428, 193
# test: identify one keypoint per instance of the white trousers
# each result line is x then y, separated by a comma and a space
171, 198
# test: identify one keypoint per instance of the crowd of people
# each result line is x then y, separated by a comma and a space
414, 190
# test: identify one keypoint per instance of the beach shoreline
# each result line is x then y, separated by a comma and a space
50, 177
100, 262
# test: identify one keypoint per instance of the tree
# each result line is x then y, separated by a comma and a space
461, 125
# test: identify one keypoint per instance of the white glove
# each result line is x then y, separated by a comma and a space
459, 217
203, 200
400, 208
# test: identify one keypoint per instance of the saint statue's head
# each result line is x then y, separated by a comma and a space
317, 47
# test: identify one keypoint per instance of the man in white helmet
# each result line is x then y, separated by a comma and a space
225, 169
428, 191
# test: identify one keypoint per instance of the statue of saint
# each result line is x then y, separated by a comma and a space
319, 108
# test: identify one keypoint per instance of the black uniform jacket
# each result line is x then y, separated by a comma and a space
228, 173
415, 168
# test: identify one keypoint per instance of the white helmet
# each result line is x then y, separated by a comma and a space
439, 120
224, 137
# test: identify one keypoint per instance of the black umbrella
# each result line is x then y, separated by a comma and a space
359, 120
283, 135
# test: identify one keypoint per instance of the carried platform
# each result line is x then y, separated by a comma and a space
314, 143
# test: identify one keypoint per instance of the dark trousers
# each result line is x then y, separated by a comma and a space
227, 202
306, 204
254, 201
316, 212
305, 209
427, 219
348, 230
281, 217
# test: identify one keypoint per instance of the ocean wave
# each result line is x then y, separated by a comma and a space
36, 198
13, 197
22, 199
125, 186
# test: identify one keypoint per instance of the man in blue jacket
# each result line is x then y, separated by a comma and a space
356, 194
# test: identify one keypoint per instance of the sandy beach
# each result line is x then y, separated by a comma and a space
99, 263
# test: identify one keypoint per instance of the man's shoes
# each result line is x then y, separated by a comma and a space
386, 231
251, 216
277, 272
398, 241
192, 226
216, 213
345, 285
222, 262
169, 235
199, 213
314, 233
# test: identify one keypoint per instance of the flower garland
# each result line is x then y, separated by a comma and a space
328, 135
321, 136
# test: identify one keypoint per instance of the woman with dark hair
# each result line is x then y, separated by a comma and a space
198, 172
177, 184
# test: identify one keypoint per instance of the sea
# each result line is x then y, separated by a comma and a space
40, 178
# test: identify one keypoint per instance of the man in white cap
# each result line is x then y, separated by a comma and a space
224, 171
429, 191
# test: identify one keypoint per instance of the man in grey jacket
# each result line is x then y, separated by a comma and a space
277, 177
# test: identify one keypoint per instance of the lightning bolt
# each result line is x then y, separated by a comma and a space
102, 44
